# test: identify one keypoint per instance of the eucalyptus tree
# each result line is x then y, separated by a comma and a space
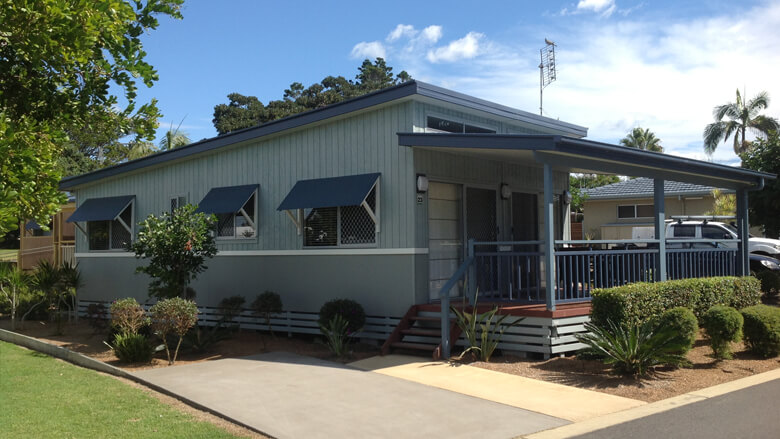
642, 139
741, 117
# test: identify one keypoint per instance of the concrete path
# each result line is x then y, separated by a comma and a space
565, 402
290, 396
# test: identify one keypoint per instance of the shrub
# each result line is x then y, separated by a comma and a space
176, 247
722, 325
128, 316
350, 310
680, 321
336, 334
173, 316
267, 304
770, 281
96, 316
631, 305
230, 308
633, 351
132, 348
770, 286
762, 330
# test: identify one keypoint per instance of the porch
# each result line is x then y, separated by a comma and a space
550, 271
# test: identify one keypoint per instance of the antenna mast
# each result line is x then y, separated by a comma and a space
547, 73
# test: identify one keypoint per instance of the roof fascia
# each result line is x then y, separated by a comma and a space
528, 142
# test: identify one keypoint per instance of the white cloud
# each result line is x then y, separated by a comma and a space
464, 48
401, 30
603, 7
431, 34
370, 50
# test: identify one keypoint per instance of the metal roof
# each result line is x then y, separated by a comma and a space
642, 187
578, 155
101, 209
228, 199
351, 190
407, 90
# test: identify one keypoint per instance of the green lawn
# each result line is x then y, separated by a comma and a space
8, 255
43, 397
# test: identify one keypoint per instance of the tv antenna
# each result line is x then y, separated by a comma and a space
547, 73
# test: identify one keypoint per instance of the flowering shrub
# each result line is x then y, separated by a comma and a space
173, 317
127, 316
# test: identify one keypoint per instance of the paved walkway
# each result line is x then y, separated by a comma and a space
557, 400
290, 396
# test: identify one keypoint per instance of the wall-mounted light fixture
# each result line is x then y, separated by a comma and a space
566, 197
506, 191
422, 184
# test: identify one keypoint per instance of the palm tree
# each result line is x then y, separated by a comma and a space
742, 116
174, 139
138, 149
642, 139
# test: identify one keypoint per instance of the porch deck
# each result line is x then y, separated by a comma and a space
563, 310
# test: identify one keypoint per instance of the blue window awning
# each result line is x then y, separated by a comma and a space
32, 225
101, 209
350, 190
227, 199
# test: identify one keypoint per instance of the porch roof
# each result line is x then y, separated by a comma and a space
577, 155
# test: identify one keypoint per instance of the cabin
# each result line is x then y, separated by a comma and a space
406, 200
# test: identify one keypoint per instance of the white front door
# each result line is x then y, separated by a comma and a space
445, 232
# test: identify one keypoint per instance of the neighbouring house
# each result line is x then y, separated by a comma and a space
403, 200
56, 245
612, 211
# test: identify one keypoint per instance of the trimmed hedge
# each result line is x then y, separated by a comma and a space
633, 304
680, 321
723, 326
762, 330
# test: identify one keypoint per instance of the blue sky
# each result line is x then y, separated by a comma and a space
662, 65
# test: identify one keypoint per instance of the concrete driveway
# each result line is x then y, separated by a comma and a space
290, 396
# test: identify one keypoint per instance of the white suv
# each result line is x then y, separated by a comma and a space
717, 230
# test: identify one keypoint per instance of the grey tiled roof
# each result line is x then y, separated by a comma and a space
643, 188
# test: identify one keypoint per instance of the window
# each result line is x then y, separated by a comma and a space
235, 208
684, 231
342, 226
715, 232
636, 211
177, 202
239, 224
450, 126
111, 234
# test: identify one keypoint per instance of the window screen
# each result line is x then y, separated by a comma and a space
645, 211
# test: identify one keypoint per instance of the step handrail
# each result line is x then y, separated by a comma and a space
444, 296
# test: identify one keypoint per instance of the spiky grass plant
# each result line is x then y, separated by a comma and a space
636, 350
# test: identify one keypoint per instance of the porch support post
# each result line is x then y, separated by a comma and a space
549, 238
743, 231
660, 228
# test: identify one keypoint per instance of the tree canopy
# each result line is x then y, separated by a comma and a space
763, 156
741, 117
59, 60
247, 111
642, 139
578, 182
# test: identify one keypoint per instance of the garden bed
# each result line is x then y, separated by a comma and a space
82, 338
705, 371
